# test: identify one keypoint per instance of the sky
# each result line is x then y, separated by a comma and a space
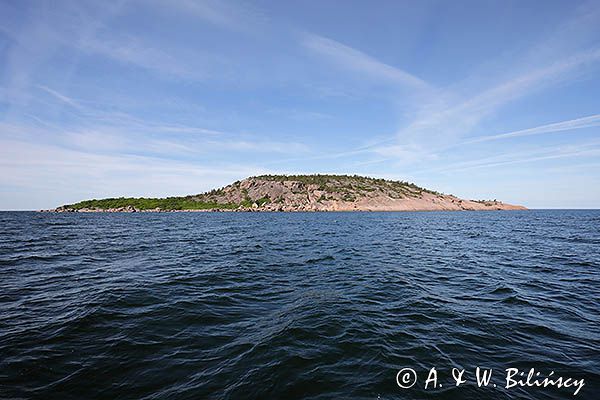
480, 99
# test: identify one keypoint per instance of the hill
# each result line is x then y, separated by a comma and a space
300, 193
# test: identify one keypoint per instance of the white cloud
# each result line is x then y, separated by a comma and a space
59, 175
590, 149
350, 58
578, 123
134, 51
65, 99
224, 14
443, 117
443, 124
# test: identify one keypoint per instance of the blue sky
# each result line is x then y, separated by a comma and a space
481, 99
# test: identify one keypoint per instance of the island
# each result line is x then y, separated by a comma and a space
298, 193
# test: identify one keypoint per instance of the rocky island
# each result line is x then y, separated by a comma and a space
299, 193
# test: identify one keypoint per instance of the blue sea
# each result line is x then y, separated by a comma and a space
298, 305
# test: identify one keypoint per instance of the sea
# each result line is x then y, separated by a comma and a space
359, 305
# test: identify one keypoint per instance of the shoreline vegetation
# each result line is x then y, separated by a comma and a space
289, 193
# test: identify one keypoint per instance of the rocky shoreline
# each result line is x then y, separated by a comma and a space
129, 209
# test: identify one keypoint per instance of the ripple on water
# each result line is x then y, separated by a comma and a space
301, 305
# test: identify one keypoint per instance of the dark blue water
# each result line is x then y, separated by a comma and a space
302, 305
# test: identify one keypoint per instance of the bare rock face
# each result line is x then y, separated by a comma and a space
340, 193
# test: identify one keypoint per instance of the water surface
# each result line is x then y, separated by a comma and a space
295, 305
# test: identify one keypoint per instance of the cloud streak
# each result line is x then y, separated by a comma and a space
441, 124
64, 99
222, 14
590, 149
352, 59
573, 124
63, 175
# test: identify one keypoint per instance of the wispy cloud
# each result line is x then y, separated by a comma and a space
134, 51
443, 123
125, 140
440, 124
578, 123
521, 85
121, 119
87, 28
65, 99
589, 149
445, 116
557, 155
62, 175
448, 115
95, 130
169, 59
350, 58
224, 14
